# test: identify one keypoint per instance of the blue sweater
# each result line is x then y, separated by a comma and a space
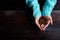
47, 8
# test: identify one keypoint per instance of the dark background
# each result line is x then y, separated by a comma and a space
17, 22
57, 5
17, 4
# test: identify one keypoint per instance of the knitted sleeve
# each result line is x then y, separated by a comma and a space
48, 7
35, 6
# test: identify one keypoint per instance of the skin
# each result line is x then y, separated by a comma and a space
45, 19
43, 22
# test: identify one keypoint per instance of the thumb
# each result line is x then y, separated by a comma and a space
37, 23
51, 20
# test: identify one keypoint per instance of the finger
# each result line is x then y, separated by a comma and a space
51, 20
46, 25
42, 26
38, 25
36, 21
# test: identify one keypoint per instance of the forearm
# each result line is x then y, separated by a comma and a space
35, 6
48, 7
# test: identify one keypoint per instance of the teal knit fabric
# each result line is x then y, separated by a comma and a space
47, 8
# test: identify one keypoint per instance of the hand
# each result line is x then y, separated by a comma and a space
43, 22
37, 23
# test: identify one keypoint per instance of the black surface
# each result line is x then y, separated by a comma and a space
19, 25
21, 5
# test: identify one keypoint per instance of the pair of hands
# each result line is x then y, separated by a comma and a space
43, 22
